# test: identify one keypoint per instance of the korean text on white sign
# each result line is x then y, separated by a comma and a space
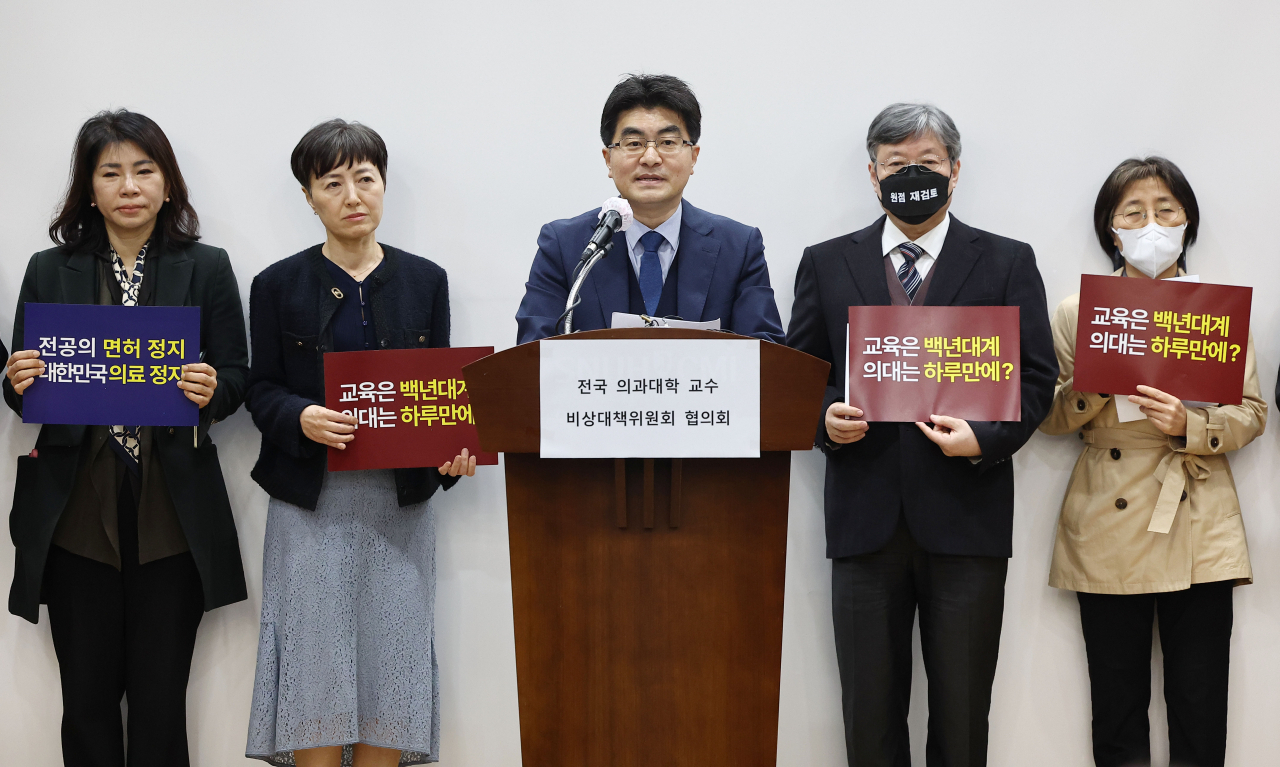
650, 398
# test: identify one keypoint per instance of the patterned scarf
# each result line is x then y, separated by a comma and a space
127, 436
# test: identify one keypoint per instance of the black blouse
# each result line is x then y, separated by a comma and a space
353, 326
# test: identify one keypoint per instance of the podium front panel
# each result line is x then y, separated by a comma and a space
649, 644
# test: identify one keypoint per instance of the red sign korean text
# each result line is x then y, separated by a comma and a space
909, 362
411, 406
1184, 338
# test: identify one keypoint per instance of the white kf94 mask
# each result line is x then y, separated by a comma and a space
1153, 248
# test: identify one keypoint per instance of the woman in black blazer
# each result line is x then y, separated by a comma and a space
126, 532
346, 657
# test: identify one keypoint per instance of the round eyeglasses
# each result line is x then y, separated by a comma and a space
1135, 217
929, 162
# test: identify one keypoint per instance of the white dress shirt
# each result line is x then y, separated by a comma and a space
670, 231
930, 242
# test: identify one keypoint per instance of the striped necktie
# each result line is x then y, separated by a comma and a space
907, 273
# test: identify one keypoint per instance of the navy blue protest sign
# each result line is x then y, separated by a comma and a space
109, 365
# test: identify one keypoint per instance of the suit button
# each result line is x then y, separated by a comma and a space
1213, 442
1121, 503
1115, 453
170, 430
1080, 404
1184, 496
422, 339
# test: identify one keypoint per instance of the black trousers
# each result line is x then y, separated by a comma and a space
124, 633
874, 602
1195, 636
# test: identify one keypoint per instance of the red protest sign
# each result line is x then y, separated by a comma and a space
411, 404
1185, 338
909, 362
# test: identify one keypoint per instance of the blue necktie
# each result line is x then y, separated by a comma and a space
907, 273
650, 272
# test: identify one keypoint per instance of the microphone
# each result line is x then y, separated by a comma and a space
615, 215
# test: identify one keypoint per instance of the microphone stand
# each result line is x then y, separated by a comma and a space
577, 285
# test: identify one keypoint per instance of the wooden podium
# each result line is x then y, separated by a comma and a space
647, 592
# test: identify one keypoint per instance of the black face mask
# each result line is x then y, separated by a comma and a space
913, 194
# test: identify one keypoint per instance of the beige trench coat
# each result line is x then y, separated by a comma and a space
1132, 479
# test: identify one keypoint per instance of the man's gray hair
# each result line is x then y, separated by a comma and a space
899, 122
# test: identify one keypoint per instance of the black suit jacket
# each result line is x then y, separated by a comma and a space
192, 275
291, 304
952, 506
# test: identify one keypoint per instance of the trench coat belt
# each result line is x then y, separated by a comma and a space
1172, 482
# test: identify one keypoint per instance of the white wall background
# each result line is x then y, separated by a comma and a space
490, 105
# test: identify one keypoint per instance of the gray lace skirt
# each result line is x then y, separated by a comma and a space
346, 652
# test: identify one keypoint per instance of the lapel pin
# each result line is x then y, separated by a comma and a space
337, 294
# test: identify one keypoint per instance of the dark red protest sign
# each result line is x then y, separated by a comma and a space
411, 405
909, 362
1185, 338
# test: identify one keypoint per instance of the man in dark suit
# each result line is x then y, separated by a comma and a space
918, 516
674, 260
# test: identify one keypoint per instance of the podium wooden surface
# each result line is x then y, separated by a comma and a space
647, 592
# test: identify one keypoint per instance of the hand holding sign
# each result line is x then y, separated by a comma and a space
199, 382
328, 427
842, 426
24, 367
953, 435
1164, 410
460, 466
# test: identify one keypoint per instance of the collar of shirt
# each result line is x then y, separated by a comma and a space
930, 242
670, 231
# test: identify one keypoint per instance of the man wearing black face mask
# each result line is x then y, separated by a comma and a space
919, 516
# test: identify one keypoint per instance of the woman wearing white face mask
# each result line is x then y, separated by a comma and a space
1125, 575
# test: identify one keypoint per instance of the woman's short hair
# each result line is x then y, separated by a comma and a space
79, 226
651, 92
334, 143
1112, 194
900, 122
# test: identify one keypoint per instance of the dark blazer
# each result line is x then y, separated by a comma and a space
722, 275
291, 304
952, 506
192, 275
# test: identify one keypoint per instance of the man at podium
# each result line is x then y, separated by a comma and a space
674, 260
919, 517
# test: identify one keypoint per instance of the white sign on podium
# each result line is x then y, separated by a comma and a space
650, 398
